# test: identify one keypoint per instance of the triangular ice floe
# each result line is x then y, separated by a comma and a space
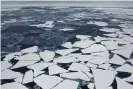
5, 65
28, 77
125, 68
30, 49
67, 45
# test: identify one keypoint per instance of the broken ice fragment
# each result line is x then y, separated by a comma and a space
30, 49
104, 66
19, 79
47, 55
5, 65
13, 85
38, 72
85, 57
94, 48
65, 84
67, 29
78, 67
91, 85
91, 65
46, 81
9, 74
117, 60
99, 23
82, 37
125, 68
29, 57
28, 77
103, 78
67, 45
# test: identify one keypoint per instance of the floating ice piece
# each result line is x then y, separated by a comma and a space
66, 85
11, 56
65, 59
66, 51
19, 79
56, 70
121, 41
23, 64
109, 29
30, 49
111, 35
47, 55
13, 85
37, 72
99, 60
91, 85
9, 74
66, 29
117, 60
105, 53
94, 48
129, 79
99, 23
5, 65
28, 77
46, 81
128, 38
103, 78
121, 84
83, 43
91, 65
75, 54
75, 75
85, 57
40, 66
82, 37
29, 57
125, 68
99, 38
124, 52
67, 45
47, 24
104, 66
78, 67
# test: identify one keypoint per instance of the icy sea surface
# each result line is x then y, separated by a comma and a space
66, 48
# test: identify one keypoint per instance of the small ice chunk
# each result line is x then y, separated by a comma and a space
5, 65
28, 77
40, 66
83, 43
56, 70
117, 60
30, 49
47, 55
65, 59
121, 84
38, 72
19, 79
109, 29
91, 65
23, 64
29, 57
13, 85
111, 35
104, 66
66, 51
103, 78
99, 60
67, 45
66, 85
94, 48
78, 67
46, 81
75, 54
125, 68
47, 24
66, 29
75, 75
9, 74
126, 52
99, 23
85, 57
82, 37
105, 53
128, 38
91, 85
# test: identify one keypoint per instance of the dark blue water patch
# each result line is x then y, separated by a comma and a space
22, 70
64, 65
84, 87
4, 81
123, 74
32, 85
114, 84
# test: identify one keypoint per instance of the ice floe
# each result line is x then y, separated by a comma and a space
109, 29
121, 84
66, 51
28, 77
38, 72
46, 81
78, 67
30, 50
91, 85
99, 23
5, 65
117, 60
104, 66
56, 70
19, 79
9, 74
65, 84
82, 37
125, 68
66, 29
94, 48
103, 78
67, 45
47, 55
47, 24
91, 65
29, 57
85, 57
13, 85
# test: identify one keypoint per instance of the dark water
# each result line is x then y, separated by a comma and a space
112, 4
